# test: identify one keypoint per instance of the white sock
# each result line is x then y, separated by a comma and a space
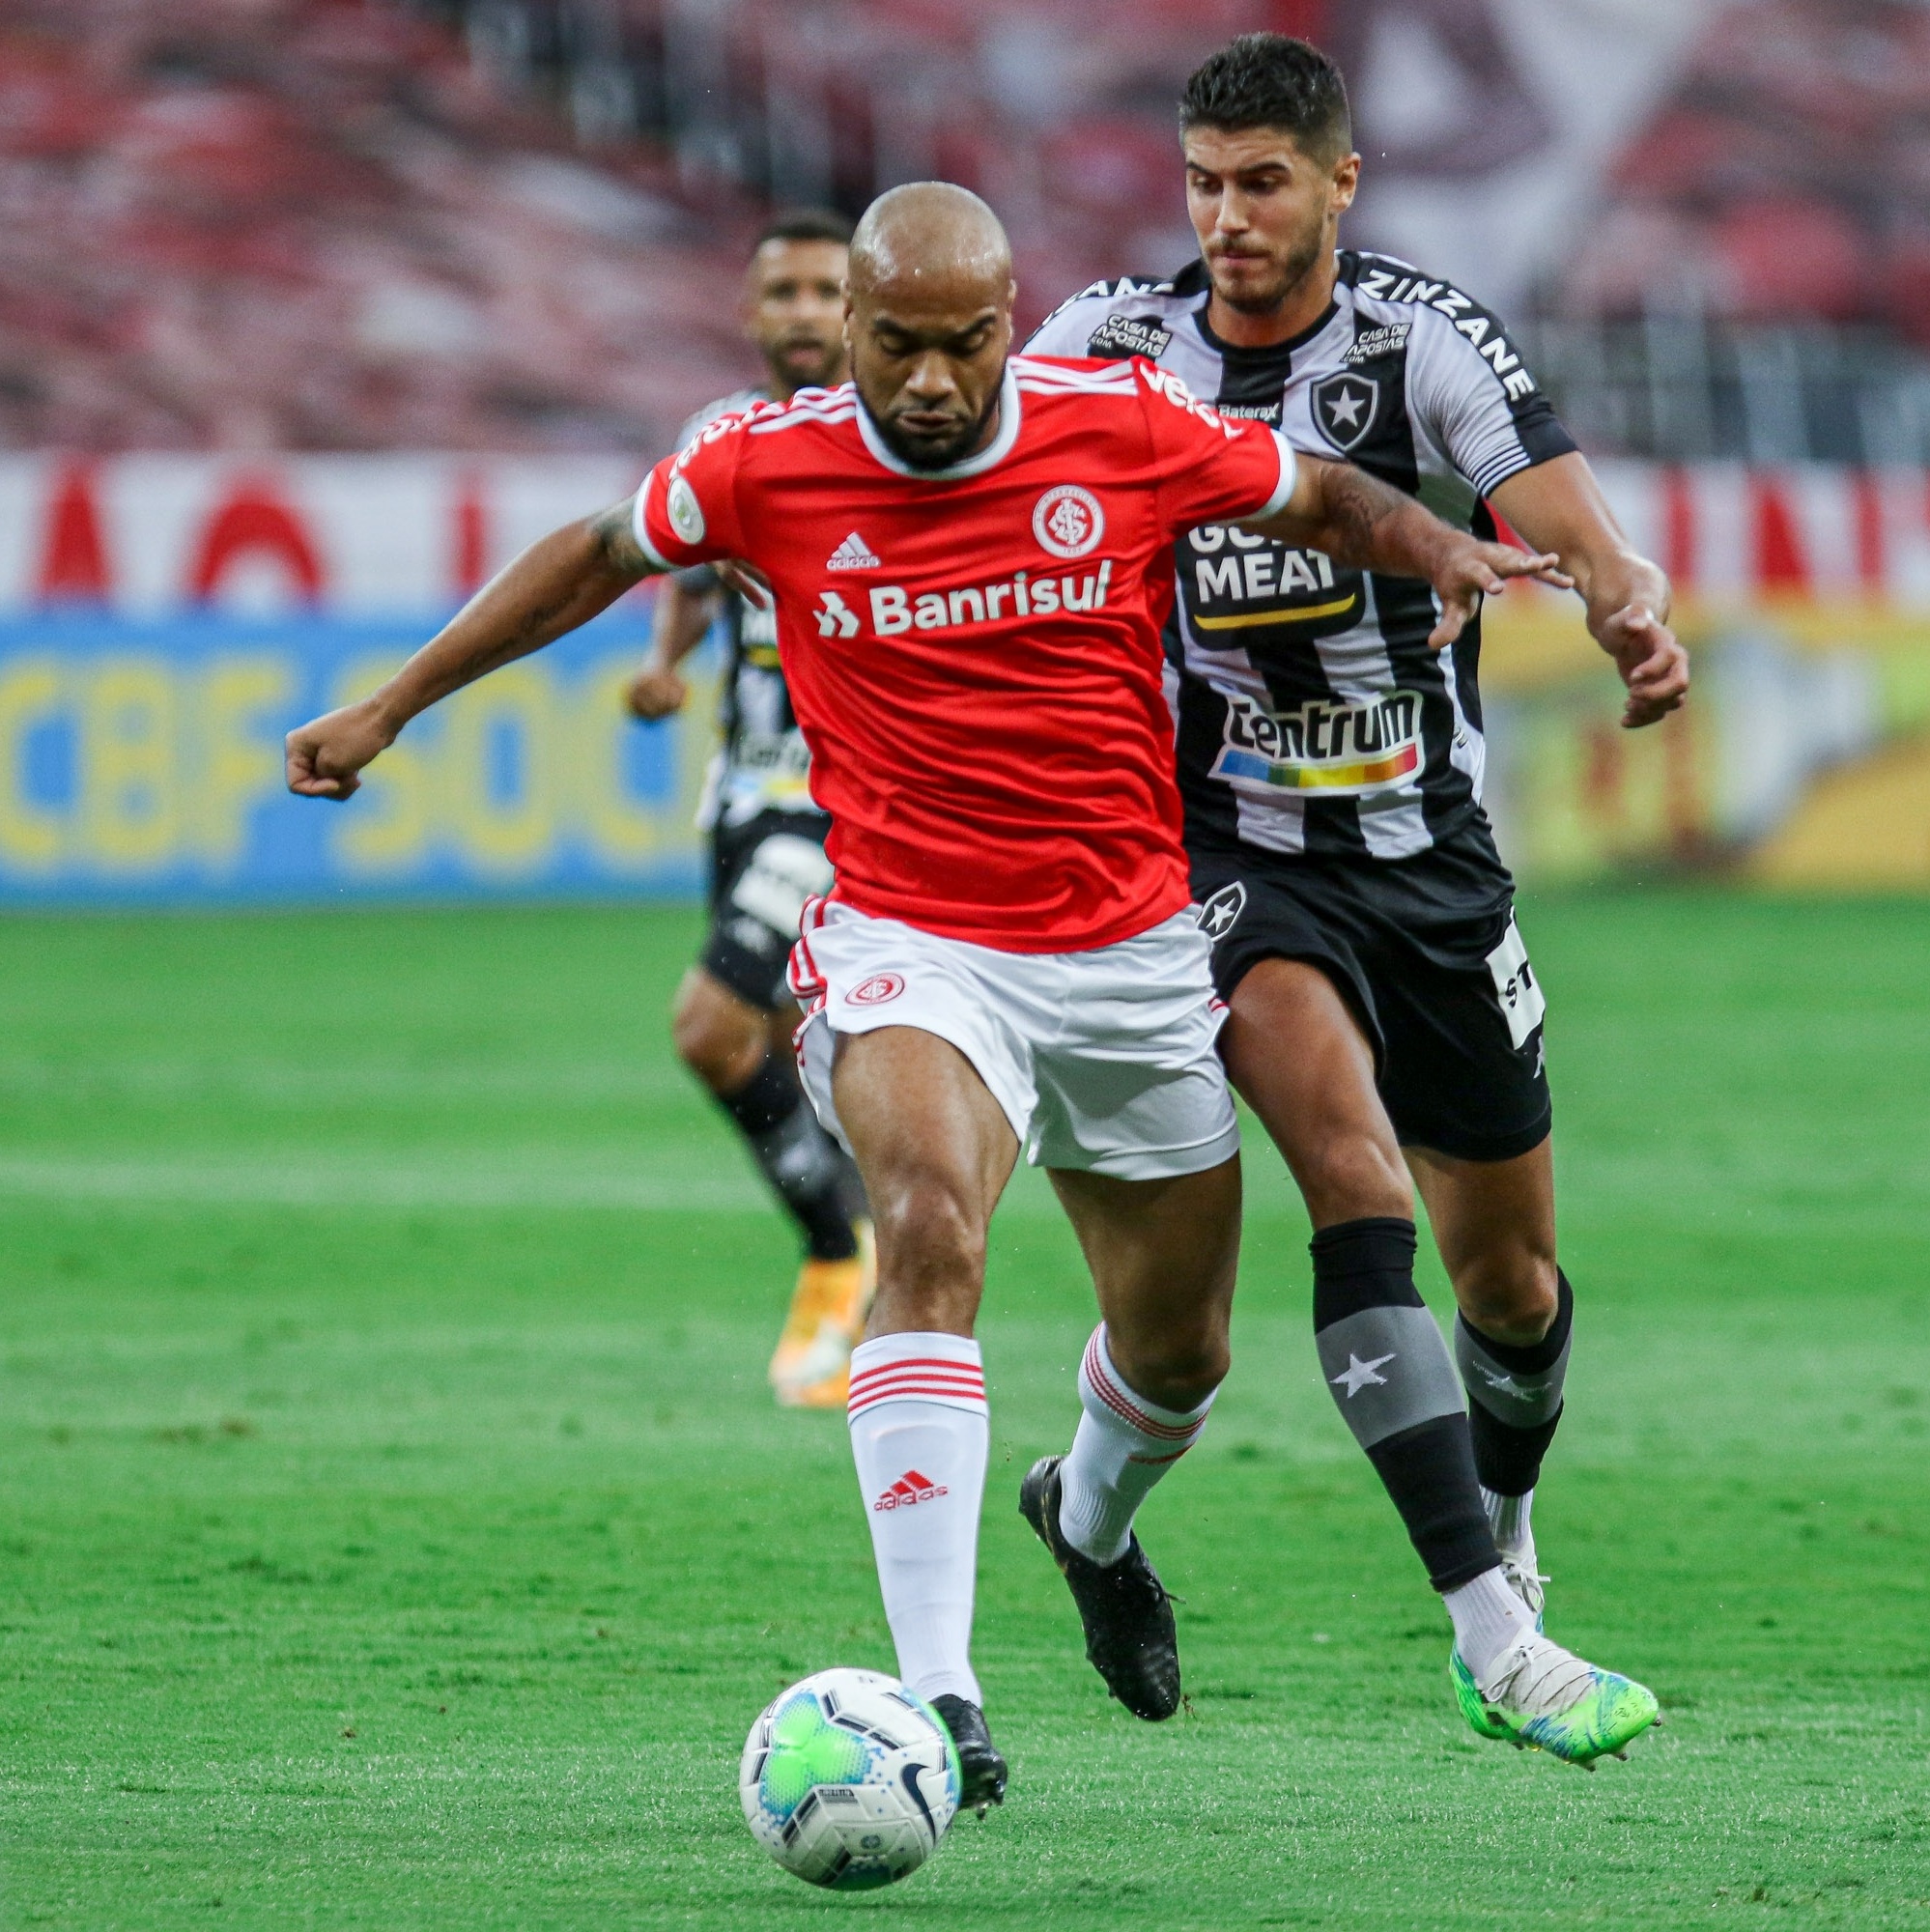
1125, 1444
1509, 1519
918, 1436
1488, 1620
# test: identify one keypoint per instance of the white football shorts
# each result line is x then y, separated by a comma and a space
1102, 1060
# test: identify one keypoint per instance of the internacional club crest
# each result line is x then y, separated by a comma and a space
1067, 521
1343, 408
1219, 913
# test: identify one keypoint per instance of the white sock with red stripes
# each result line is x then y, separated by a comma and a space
918, 1436
1123, 1446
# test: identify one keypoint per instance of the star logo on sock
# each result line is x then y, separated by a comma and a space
1359, 1375
1506, 1385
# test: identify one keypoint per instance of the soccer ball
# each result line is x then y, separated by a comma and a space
849, 1780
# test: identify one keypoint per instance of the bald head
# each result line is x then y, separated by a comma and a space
928, 319
926, 233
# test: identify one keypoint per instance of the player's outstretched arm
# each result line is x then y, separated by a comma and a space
1559, 505
1367, 525
560, 581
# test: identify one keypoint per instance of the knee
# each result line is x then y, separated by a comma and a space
931, 1250
1176, 1371
1510, 1296
1351, 1176
720, 1045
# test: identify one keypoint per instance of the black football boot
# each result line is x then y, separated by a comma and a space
981, 1771
1128, 1618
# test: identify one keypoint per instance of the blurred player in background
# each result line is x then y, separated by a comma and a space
734, 1015
969, 556
1386, 1024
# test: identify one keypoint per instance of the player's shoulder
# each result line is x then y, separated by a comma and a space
759, 415
1072, 376
1098, 387
1402, 299
1112, 320
733, 404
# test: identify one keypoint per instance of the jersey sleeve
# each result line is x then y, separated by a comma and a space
1474, 397
1064, 331
687, 511
1211, 468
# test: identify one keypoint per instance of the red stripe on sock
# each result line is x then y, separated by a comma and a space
1127, 1411
962, 1372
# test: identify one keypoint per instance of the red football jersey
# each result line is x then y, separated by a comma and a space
974, 653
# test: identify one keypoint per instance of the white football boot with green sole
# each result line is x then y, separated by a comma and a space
1542, 1697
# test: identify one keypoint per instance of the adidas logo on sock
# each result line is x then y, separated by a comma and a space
853, 554
909, 1489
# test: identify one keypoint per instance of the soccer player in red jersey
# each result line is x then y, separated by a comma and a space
970, 557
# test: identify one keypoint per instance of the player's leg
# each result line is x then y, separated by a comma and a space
1136, 1126
1391, 1375
1493, 1222
1297, 1052
731, 1026
1164, 1255
935, 1148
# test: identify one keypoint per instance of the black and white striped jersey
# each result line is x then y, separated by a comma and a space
1313, 718
761, 763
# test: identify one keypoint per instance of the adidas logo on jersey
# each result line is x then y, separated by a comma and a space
853, 554
909, 1490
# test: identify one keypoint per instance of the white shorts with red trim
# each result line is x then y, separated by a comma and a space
1102, 1060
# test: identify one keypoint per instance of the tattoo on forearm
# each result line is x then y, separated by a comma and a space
616, 533
1355, 506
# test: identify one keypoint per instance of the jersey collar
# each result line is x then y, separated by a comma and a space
994, 452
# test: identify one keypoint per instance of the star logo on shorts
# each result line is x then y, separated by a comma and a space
1217, 917
1343, 408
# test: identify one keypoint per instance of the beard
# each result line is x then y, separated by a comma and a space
927, 454
807, 361
1289, 274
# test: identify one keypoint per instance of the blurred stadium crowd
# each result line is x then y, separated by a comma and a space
505, 224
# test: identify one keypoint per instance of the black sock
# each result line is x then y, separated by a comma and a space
813, 1175
1393, 1380
1514, 1397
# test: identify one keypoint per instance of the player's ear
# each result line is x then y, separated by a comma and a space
1347, 182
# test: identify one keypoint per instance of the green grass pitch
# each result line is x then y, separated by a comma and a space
395, 1531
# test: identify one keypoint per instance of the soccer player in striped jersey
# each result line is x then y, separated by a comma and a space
1386, 1022
734, 1015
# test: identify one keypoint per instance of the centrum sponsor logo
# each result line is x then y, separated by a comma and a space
1341, 750
896, 609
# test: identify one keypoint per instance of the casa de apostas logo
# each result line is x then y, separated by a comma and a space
1067, 521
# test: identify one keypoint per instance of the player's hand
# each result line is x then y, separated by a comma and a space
1473, 570
1653, 665
656, 691
323, 757
747, 580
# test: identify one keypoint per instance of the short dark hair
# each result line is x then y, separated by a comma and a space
806, 224
1271, 80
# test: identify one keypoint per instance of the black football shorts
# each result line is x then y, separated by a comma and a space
1426, 952
761, 874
